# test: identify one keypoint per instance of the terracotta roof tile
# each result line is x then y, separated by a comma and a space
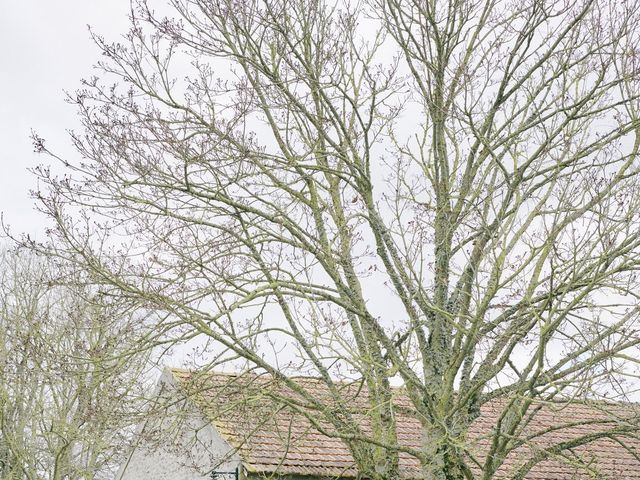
278, 439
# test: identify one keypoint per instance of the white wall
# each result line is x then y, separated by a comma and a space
177, 444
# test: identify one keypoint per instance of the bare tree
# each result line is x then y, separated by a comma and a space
70, 385
443, 193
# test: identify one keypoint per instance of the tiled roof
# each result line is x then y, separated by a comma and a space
274, 438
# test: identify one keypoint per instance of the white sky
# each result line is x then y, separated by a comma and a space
45, 48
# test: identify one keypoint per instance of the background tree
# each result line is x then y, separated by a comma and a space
443, 193
70, 385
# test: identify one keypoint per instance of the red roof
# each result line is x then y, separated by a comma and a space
273, 438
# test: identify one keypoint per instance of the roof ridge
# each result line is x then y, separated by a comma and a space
237, 374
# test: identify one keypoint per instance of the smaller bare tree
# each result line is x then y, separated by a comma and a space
70, 382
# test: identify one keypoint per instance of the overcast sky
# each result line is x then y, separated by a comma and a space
45, 48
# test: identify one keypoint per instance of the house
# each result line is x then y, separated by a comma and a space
211, 425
